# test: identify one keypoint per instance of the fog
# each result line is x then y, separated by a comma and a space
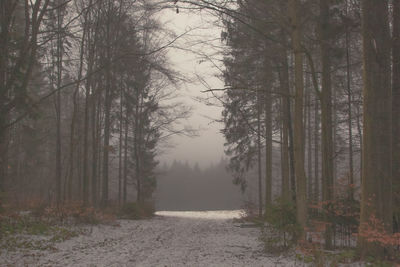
207, 147
135, 132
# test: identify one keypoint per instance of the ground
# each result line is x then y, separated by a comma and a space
169, 239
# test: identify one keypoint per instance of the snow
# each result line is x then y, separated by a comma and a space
207, 215
208, 238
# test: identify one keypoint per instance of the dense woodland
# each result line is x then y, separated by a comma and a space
319, 81
87, 99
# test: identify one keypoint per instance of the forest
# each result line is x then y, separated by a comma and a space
87, 95
194, 188
310, 114
319, 80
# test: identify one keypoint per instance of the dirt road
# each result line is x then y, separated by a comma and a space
169, 239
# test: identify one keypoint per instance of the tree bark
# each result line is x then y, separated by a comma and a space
349, 106
95, 152
74, 113
268, 144
309, 146
377, 181
107, 113
260, 206
59, 52
316, 151
120, 146
124, 194
90, 59
286, 120
326, 113
301, 182
396, 114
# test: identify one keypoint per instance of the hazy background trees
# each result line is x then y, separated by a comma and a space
195, 188
87, 98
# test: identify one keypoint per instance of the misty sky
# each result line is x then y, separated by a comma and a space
207, 148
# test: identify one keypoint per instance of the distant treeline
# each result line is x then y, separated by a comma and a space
185, 187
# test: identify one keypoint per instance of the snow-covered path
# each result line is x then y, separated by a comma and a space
169, 239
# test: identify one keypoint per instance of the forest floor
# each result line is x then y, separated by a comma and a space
168, 239
211, 238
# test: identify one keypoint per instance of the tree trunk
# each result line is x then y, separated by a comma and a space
4, 40
376, 184
107, 117
106, 146
85, 175
309, 147
291, 152
285, 154
284, 86
74, 118
301, 182
138, 142
360, 136
316, 151
90, 59
124, 195
396, 114
349, 106
58, 109
260, 206
99, 147
72, 145
3, 158
95, 152
268, 145
326, 113
120, 147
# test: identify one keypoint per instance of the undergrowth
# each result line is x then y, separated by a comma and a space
25, 231
41, 226
136, 211
280, 231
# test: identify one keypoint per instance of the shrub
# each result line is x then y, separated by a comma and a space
136, 211
250, 211
374, 231
13, 225
75, 212
282, 229
341, 214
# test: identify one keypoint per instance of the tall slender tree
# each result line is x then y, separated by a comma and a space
377, 146
396, 113
326, 112
301, 180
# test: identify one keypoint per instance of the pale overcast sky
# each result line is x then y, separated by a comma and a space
207, 148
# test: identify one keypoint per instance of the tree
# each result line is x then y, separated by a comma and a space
301, 182
18, 51
326, 112
64, 68
268, 116
377, 146
396, 113
243, 105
